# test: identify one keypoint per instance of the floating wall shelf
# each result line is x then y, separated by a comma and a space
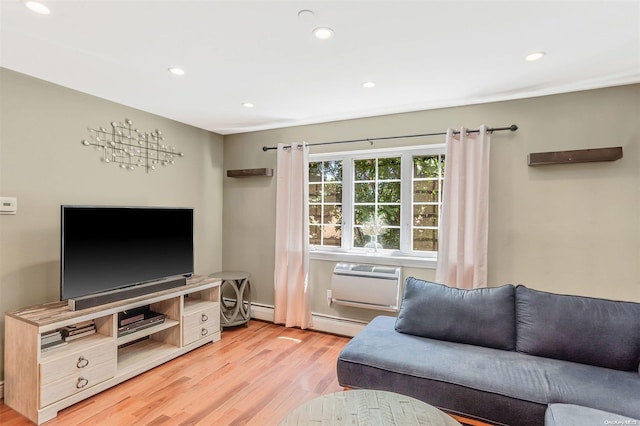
250, 172
577, 156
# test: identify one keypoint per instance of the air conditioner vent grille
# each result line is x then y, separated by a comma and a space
366, 286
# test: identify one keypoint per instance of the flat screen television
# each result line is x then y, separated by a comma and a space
108, 248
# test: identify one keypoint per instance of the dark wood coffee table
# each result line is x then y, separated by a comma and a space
367, 407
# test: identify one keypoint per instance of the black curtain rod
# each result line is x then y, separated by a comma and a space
512, 128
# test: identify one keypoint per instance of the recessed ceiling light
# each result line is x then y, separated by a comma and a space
37, 7
248, 104
369, 84
176, 71
323, 33
305, 13
534, 56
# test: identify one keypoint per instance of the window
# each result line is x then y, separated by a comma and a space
325, 203
427, 182
401, 187
377, 194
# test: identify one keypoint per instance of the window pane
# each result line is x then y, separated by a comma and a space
365, 192
425, 191
332, 171
425, 239
389, 192
364, 169
390, 239
389, 214
361, 214
315, 211
315, 174
314, 235
333, 214
332, 235
315, 193
359, 239
425, 215
332, 193
389, 168
425, 166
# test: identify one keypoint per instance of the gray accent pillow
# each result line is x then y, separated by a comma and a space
482, 317
581, 329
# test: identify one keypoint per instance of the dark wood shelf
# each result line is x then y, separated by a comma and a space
250, 172
576, 156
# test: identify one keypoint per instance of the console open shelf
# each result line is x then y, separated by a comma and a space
39, 384
136, 356
168, 323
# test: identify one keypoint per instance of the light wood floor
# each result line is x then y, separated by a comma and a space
253, 376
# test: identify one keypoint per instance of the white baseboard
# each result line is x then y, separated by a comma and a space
262, 312
324, 323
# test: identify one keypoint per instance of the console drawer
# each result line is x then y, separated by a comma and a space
77, 382
76, 362
200, 324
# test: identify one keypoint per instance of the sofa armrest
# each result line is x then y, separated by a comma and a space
570, 414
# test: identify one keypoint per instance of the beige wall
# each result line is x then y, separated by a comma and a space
571, 229
44, 165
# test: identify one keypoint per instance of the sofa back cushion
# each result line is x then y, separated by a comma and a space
591, 331
482, 317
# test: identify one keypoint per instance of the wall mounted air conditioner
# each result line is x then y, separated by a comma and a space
366, 286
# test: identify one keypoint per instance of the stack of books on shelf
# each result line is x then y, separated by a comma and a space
76, 331
51, 340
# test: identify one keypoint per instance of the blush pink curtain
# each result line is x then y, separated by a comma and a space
464, 222
292, 305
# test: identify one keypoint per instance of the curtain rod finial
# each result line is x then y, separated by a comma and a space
513, 127
265, 148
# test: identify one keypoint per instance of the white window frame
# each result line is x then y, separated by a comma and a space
403, 257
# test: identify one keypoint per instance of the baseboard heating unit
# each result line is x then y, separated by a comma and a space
366, 286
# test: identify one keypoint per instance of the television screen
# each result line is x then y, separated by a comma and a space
107, 248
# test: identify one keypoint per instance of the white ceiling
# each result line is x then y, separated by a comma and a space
421, 54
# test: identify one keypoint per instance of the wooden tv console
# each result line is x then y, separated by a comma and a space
40, 383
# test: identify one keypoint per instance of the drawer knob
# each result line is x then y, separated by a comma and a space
82, 362
204, 317
204, 332
82, 382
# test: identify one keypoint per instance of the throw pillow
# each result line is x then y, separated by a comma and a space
587, 330
482, 317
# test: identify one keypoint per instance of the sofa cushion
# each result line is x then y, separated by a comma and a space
591, 331
455, 377
380, 358
570, 414
483, 317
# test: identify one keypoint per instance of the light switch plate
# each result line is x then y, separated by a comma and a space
8, 205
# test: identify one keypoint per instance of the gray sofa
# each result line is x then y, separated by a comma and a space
506, 355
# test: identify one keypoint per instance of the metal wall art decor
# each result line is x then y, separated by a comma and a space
131, 148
